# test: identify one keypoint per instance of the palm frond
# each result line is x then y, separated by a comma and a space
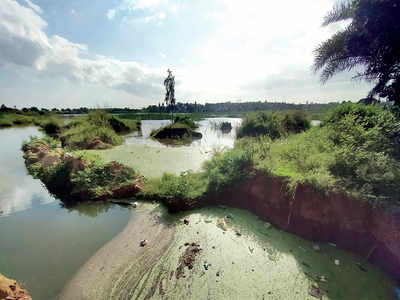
340, 12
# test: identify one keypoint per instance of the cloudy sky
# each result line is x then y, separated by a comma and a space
57, 53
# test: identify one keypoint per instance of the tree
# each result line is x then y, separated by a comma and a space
370, 41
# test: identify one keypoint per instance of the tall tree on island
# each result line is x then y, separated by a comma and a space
170, 100
370, 41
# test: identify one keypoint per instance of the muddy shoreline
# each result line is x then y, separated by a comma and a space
117, 267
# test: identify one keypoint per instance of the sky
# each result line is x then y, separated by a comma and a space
115, 53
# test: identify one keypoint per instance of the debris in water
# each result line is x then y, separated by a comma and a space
208, 221
206, 265
143, 243
222, 206
218, 274
186, 221
187, 259
315, 291
229, 216
337, 262
306, 264
316, 247
134, 204
238, 233
322, 279
267, 225
332, 244
222, 224
251, 249
360, 266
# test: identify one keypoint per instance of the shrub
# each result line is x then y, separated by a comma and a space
226, 169
52, 126
275, 125
183, 119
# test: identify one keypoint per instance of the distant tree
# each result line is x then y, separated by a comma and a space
371, 40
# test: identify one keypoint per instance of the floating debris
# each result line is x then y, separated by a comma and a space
206, 266
323, 279
332, 244
143, 243
208, 221
186, 221
187, 259
315, 291
238, 233
360, 266
267, 225
134, 204
229, 216
251, 249
316, 247
337, 262
306, 264
222, 224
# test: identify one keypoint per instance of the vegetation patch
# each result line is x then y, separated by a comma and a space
354, 151
181, 131
78, 176
97, 130
273, 124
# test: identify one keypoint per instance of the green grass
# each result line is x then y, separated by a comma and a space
355, 152
8, 119
273, 124
81, 173
97, 130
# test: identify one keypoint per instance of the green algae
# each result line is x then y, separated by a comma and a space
153, 162
256, 262
248, 260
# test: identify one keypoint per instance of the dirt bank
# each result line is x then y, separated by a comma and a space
347, 222
11, 290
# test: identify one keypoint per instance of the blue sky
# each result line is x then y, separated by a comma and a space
56, 53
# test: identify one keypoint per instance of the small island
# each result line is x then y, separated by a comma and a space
181, 131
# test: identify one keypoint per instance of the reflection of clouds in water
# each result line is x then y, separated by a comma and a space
213, 138
18, 190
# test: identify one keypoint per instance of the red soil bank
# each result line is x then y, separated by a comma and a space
347, 222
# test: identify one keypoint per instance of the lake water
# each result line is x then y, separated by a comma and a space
43, 244
213, 138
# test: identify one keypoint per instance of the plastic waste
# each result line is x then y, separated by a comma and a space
397, 290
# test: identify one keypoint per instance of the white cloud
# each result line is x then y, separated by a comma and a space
111, 14
163, 55
156, 17
154, 8
35, 7
23, 42
73, 11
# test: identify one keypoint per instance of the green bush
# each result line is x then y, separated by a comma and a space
52, 126
274, 125
123, 126
226, 169
183, 119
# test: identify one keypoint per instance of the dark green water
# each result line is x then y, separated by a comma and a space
43, 244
